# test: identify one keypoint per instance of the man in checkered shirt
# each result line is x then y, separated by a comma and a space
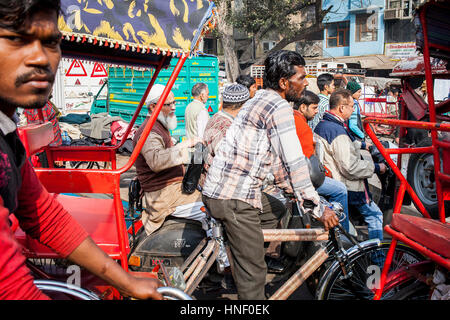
261, 140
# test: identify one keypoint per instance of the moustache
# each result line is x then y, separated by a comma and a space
48, 76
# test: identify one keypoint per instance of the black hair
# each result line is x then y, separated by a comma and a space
15, 13
323, 80
232, 106
337, 96
307, 98
280, 64
245, 80
198, 88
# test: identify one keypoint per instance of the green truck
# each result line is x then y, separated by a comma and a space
125, 87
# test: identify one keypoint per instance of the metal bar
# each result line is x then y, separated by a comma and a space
294, 235
419, 247
203, 258
432, 111
410, 124
121, 230
201, 274
300, 276
387, 265
396, 171
155, 113
193, 254
194, 265
141, 103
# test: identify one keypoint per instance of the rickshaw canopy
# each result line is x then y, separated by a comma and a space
137, 32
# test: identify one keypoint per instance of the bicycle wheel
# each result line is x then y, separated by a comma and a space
366, 266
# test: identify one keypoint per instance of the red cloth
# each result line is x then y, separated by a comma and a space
44, 219
304, 133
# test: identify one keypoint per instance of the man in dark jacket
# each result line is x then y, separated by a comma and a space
343, 158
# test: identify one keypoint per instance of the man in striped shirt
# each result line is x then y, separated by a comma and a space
261, 140
325, 83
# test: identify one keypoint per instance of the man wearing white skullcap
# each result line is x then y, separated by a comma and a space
160, 169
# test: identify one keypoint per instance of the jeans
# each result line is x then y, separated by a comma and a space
374, 219
336, 191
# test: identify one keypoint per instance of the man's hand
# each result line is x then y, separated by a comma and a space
145, 288
383, 168
190, 143
329, 219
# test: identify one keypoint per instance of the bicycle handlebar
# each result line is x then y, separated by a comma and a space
171, 293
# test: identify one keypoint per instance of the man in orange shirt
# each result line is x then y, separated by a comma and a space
304, 110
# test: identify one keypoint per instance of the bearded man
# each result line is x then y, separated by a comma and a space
160, 169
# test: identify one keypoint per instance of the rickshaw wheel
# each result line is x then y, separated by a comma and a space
421, 177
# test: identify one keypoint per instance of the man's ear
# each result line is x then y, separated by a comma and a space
282, 83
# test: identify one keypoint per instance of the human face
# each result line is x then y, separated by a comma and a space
294, 86
168, 108
309, 111
357, 94
331, 87
252, 90
346, 108
28, 62
204, 95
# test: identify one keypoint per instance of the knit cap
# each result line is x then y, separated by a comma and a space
154, 94
235, 93
353, 86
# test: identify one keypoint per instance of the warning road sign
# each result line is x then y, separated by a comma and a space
99, 71
76, 69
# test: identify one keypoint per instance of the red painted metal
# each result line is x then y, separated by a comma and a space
387, 265
441, 178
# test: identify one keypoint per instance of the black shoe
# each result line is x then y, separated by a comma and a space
274, 265
228, 282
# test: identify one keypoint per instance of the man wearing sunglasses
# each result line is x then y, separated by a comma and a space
160, 169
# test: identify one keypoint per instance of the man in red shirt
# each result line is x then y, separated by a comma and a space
29, 57
304, 110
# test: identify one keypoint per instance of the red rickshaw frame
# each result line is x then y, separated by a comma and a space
442, 179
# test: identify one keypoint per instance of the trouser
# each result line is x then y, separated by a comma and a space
336, 191
374, 219
243, 226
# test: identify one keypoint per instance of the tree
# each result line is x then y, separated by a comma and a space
260, 17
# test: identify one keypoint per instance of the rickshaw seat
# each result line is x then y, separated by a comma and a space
97, 216
430, 233
36, 136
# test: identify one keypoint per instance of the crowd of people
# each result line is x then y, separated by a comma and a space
270, 132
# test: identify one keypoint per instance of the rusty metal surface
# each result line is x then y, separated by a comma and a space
300, 276
316, 234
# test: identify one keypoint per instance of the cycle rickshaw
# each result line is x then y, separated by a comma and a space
177, 31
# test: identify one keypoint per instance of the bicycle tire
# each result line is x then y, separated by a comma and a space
332, 286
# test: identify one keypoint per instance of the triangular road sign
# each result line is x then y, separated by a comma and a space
99, 71
78, 82
76, 69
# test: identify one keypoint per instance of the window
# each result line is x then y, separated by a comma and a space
337, 34
268, 45
366, 27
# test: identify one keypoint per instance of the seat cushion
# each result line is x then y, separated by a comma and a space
96, 216
430, 233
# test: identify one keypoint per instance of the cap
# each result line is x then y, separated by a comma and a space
235, 93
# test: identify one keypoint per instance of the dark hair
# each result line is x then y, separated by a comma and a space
245, 80
198, 88
280, 64
307, 98
337, 96
232, 106
323, 80
15, 13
